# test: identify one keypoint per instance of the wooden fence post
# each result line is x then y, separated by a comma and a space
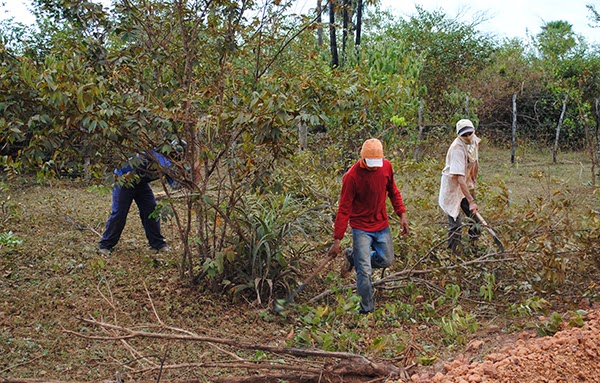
514, 128
598, 134
560, 120
598, 128
420, 136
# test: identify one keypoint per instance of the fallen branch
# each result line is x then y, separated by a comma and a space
347, 364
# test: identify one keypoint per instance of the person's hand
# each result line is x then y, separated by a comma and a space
334, 250
404, 224
473, 206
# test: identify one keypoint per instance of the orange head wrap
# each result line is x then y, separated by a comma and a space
372, 153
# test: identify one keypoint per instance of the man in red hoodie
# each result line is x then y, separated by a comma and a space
363, 203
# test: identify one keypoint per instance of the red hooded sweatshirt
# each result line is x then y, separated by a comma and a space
363, 197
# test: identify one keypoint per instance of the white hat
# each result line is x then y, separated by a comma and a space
374, 162
464, 126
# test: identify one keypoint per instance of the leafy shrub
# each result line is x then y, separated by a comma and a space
259, 264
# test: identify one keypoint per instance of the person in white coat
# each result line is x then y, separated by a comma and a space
457, 189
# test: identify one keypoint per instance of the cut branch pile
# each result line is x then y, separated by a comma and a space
290, 364
325, 366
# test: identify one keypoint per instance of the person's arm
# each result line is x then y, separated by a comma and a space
334, 250
404, 224
343, 215
396, 198
462, 183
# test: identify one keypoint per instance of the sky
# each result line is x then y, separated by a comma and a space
507, 18
511, 18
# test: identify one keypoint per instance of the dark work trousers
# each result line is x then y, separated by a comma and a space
122, 197
454, 226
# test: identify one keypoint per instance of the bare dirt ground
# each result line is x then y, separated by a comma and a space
571, 355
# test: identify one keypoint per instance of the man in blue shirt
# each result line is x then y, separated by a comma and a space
136, 188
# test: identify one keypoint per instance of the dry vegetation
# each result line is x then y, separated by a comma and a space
55, 277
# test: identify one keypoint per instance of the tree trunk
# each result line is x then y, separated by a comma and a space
467, 106
514, 128
420, 136
319, 23
345, 22
332, 40
560, 121
359, 12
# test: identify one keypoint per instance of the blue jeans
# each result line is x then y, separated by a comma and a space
122, 197
370, 250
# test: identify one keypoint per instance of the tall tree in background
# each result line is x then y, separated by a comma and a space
345, 26
595, 15
319, 23
556, 40
451, 50
335, 62
359, 13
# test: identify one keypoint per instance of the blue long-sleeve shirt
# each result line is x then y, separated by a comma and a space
145, 169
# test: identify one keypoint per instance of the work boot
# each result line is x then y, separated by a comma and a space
164, 249
454, 244
348, 264
105, 252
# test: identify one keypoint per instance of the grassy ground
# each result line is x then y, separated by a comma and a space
534, 173
56, 276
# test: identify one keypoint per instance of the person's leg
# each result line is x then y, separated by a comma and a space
454, 236
121, 202
473, 222
383, 247
361, 250
474, 230
144, 198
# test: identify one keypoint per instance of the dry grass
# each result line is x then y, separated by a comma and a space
534, 173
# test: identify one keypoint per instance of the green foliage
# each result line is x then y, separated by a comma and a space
556, 40
576, 318
256, 263
8, 239
486, 291
550, 326
322, 327
553, 324
453, 292
449, 49
529, 307
456, 324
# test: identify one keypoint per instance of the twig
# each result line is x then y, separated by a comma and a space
130, 334
80, 226
21, 364
231, 354
152, 304
162, 365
